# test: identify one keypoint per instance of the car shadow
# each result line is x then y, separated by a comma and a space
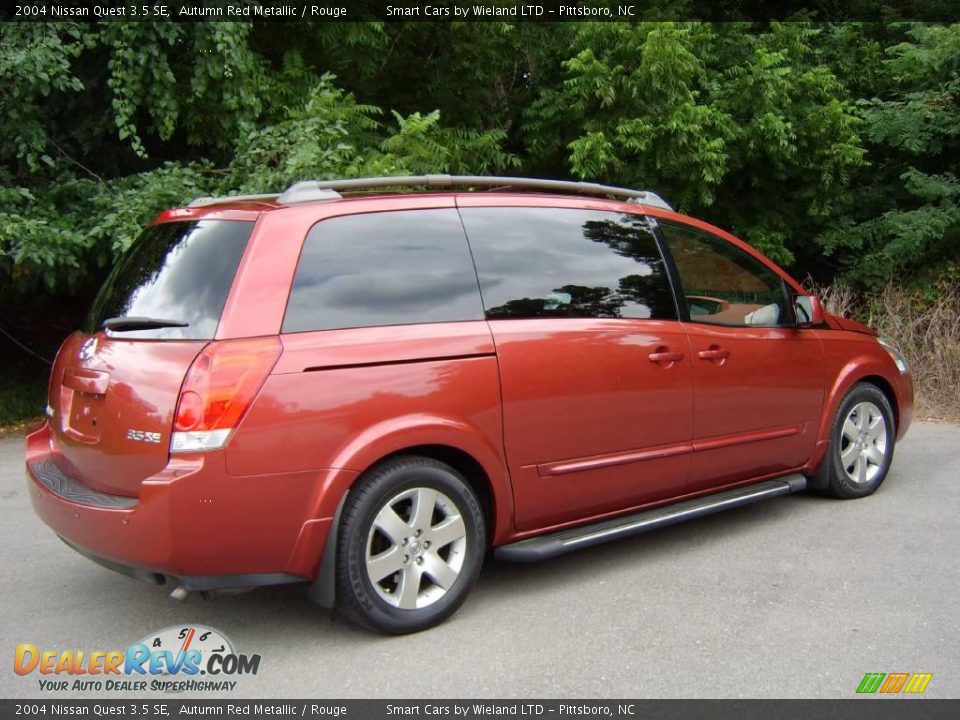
605, 561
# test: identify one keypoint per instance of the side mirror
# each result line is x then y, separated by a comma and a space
808, 309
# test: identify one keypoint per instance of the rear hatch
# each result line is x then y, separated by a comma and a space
115, 385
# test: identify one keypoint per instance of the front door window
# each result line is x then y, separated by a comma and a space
724, 285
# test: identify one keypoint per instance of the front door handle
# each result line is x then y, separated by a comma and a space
714, 352
665, 356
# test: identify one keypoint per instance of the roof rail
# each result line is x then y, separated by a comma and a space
208, 200
311, 189
306, 191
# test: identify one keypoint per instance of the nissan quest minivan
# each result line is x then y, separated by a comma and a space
367, 393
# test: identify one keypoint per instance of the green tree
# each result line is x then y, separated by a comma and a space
905, 223
110, 124
830, 146
742, 125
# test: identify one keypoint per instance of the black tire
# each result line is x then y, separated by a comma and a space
357, 596
832, 478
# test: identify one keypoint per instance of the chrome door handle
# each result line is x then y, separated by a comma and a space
665, 357
714, 353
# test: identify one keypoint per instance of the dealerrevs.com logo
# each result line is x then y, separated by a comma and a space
175, 659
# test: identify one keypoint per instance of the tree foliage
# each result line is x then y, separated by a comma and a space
832, 147
906, 221
747, 127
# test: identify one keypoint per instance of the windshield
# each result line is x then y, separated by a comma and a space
179, 272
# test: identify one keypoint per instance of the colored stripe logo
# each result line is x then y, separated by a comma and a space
894, 683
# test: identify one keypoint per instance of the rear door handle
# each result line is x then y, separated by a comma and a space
665, 357
714, 353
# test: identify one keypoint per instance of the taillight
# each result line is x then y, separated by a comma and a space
222, 382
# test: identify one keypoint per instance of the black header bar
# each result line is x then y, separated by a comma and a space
479, 11
864, 709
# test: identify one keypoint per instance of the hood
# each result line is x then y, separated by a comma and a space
841, 323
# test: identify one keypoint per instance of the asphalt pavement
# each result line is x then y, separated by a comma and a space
797, 596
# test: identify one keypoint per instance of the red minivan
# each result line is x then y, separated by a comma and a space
366, 393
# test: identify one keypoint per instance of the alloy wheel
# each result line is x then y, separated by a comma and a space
416, 548
863, 442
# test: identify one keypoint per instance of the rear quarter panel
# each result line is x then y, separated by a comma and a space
344, 399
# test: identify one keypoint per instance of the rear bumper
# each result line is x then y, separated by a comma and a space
134, 572
192, 521
190, 582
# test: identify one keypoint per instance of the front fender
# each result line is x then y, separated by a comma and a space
867, 364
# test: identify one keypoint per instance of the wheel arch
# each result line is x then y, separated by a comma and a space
886, 388
858, 370
476, 457
465, 464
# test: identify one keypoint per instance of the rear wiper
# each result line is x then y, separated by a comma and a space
125, 323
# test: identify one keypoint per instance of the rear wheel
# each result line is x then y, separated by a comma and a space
861, 444
411, 543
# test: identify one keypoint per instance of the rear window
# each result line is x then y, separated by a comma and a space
179, 271
389, 268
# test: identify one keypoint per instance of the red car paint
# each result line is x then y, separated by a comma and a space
560, 416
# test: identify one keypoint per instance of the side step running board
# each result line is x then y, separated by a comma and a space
564, 541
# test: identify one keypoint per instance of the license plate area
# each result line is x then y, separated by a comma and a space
83, 395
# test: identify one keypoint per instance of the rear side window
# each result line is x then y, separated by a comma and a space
561, 263
390, 268
179, 271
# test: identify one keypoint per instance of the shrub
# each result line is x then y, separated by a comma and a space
926, 326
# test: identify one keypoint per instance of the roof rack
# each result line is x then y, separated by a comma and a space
308, 190
209, 200
312, 190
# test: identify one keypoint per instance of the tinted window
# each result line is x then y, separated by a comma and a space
388, 268
178, 271
723, 284
559, 262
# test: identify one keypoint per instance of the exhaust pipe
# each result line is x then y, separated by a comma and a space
179, 594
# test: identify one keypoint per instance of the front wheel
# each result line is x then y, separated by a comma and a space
861, 444
411, 543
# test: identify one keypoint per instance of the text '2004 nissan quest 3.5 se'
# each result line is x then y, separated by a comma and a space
368, 393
